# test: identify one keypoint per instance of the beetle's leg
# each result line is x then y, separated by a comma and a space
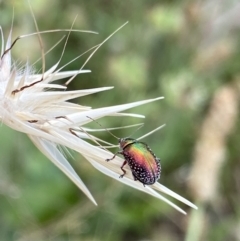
135, 179
109, 159
124, 172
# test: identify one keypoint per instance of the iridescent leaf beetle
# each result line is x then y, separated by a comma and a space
144, 164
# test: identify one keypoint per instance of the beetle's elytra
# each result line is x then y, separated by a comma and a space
145, 166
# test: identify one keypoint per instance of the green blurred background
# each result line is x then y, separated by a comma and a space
186, 51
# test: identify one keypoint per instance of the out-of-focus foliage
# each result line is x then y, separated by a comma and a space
187, 51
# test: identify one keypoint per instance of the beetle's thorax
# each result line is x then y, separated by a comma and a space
123, 142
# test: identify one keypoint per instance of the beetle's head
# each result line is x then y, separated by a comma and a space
123, 142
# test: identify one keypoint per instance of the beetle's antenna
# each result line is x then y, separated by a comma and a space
74, 132
104, 128
137, 129
151, 132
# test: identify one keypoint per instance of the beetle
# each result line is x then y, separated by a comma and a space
144, 164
